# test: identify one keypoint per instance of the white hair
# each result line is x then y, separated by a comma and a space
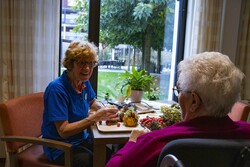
214, 77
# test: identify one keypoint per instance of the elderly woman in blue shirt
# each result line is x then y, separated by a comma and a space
67, 101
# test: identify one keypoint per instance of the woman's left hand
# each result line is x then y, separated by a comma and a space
136, 133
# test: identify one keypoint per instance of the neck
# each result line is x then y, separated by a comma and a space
198, 112
76, 84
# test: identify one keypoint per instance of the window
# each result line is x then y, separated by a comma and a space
129, 34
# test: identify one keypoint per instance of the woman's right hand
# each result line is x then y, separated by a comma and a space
106, 113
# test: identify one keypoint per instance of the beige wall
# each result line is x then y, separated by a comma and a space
231, 28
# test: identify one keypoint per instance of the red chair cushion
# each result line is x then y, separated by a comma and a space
34, 157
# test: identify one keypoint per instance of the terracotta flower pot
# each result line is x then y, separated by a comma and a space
136, 96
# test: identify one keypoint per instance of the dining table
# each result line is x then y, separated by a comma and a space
100, 142
102, 138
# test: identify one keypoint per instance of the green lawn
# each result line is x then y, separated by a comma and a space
107, 81
106, 84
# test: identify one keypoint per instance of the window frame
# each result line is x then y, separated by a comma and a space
94, 28
181, 33
93, 34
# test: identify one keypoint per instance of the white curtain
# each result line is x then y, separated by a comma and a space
204, 26
243, 51
29, 45
204, 33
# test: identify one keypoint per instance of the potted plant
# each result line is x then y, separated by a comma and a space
134, 83
123, 94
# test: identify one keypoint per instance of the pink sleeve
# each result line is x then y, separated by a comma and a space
116, 159
142, 153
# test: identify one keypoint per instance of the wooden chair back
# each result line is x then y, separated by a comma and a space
240, 111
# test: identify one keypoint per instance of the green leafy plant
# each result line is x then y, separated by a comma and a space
124, 91
107, 96
135, 80
153, 94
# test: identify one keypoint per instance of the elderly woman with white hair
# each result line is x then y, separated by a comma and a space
207, 87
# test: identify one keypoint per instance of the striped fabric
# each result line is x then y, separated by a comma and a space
243, 54
29, 46
204, 32
204, 26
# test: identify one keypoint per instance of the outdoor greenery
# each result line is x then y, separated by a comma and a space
139, 23
145, 27
82, 7
107, 84
135, 80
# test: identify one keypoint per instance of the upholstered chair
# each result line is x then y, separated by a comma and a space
21, 119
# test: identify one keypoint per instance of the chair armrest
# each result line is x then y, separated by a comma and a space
66, 147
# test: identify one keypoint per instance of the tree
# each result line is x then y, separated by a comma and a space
81, 6
139, 23
135, 23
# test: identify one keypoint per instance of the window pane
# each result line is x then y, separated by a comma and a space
140, 34
74, 22
132, 33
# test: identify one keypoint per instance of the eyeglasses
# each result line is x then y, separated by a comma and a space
177, 91
82, 64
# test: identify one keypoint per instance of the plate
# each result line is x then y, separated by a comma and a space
114, 128
142, 109
150, 115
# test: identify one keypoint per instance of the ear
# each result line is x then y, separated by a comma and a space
196, 102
